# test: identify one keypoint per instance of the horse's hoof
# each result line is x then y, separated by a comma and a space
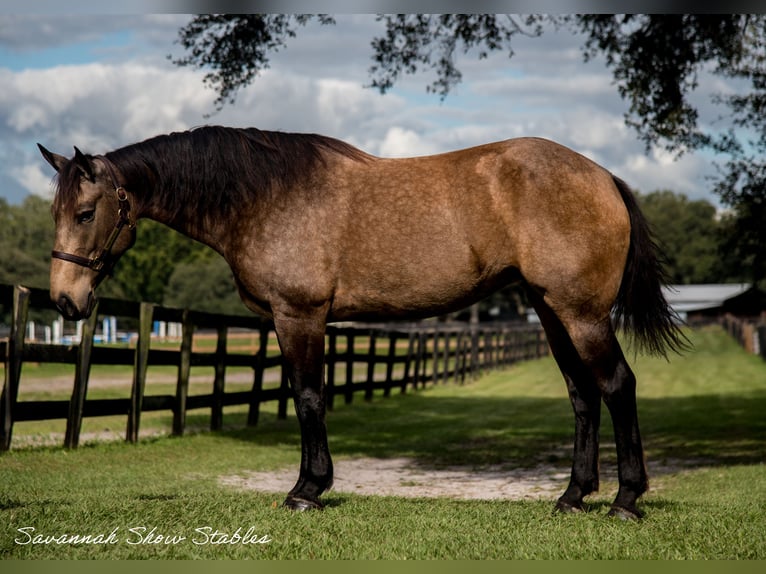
567, 508
301, 504
624, 513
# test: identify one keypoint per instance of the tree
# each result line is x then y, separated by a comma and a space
144, 271
26, 236
205, 284
655, 61
689, 234
237, 46
161, 264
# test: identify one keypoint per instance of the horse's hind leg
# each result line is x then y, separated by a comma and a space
594, 367
586, 403
618, 388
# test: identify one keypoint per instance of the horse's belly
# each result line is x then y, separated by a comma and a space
426, 293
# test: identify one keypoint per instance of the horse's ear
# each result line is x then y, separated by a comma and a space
57, 161
83, 163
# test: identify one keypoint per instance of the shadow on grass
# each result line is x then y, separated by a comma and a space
436, 432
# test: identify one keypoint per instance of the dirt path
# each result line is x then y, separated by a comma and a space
404, 477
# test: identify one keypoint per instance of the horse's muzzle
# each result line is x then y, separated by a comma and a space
70, 311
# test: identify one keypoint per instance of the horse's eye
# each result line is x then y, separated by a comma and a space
86, 216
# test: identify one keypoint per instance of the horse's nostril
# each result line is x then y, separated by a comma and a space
66, 307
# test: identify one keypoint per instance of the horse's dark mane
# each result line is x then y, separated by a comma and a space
212, 170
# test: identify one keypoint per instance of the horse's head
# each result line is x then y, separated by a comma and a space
93, 228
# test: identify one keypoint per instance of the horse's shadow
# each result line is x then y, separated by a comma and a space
479, 432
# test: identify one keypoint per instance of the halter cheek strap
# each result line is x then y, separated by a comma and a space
105, 261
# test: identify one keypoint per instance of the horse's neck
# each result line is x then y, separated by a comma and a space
203, 230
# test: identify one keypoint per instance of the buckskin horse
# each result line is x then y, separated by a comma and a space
316, 230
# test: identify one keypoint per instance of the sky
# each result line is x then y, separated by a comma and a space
102, 81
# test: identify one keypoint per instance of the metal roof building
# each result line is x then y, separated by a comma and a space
714, 299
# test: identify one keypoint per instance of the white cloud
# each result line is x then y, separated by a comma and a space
659, 170
348, 109
316, 85
588, 128
542, 90
26, 116
98, 107
32, 179
402, 142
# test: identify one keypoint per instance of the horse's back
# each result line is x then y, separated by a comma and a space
441, 231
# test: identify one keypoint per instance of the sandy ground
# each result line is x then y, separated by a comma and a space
404, 477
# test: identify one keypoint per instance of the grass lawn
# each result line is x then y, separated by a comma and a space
703, 426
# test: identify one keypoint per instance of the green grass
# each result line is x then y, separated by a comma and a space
702, 421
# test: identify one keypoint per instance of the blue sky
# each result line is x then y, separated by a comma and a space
75, 53
101, 81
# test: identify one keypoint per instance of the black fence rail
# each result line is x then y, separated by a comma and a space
360, 358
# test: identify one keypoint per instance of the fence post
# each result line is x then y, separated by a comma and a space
435, 357
139, 370
259, 367
474, 368
349, 388
81, 377
489, 348
446, 356
542, 348
184, 370
330, 360
216, 411
408, 361
419, 360
460, 357
390, 363
13, 362
370, 367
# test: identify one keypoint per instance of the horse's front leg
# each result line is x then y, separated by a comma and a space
301, 340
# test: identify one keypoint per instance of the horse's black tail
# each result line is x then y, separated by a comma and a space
641, 308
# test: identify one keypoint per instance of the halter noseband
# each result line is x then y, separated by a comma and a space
104, 261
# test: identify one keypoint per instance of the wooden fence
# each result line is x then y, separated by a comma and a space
749, 333
386, 357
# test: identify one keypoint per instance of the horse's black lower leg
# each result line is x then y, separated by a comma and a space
594, 367
601, 354
585, 397
586, 403
620, 397
316, 464
302, 345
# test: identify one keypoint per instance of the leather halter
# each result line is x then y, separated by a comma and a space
105, 261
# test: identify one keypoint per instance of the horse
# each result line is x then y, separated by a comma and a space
316, 231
